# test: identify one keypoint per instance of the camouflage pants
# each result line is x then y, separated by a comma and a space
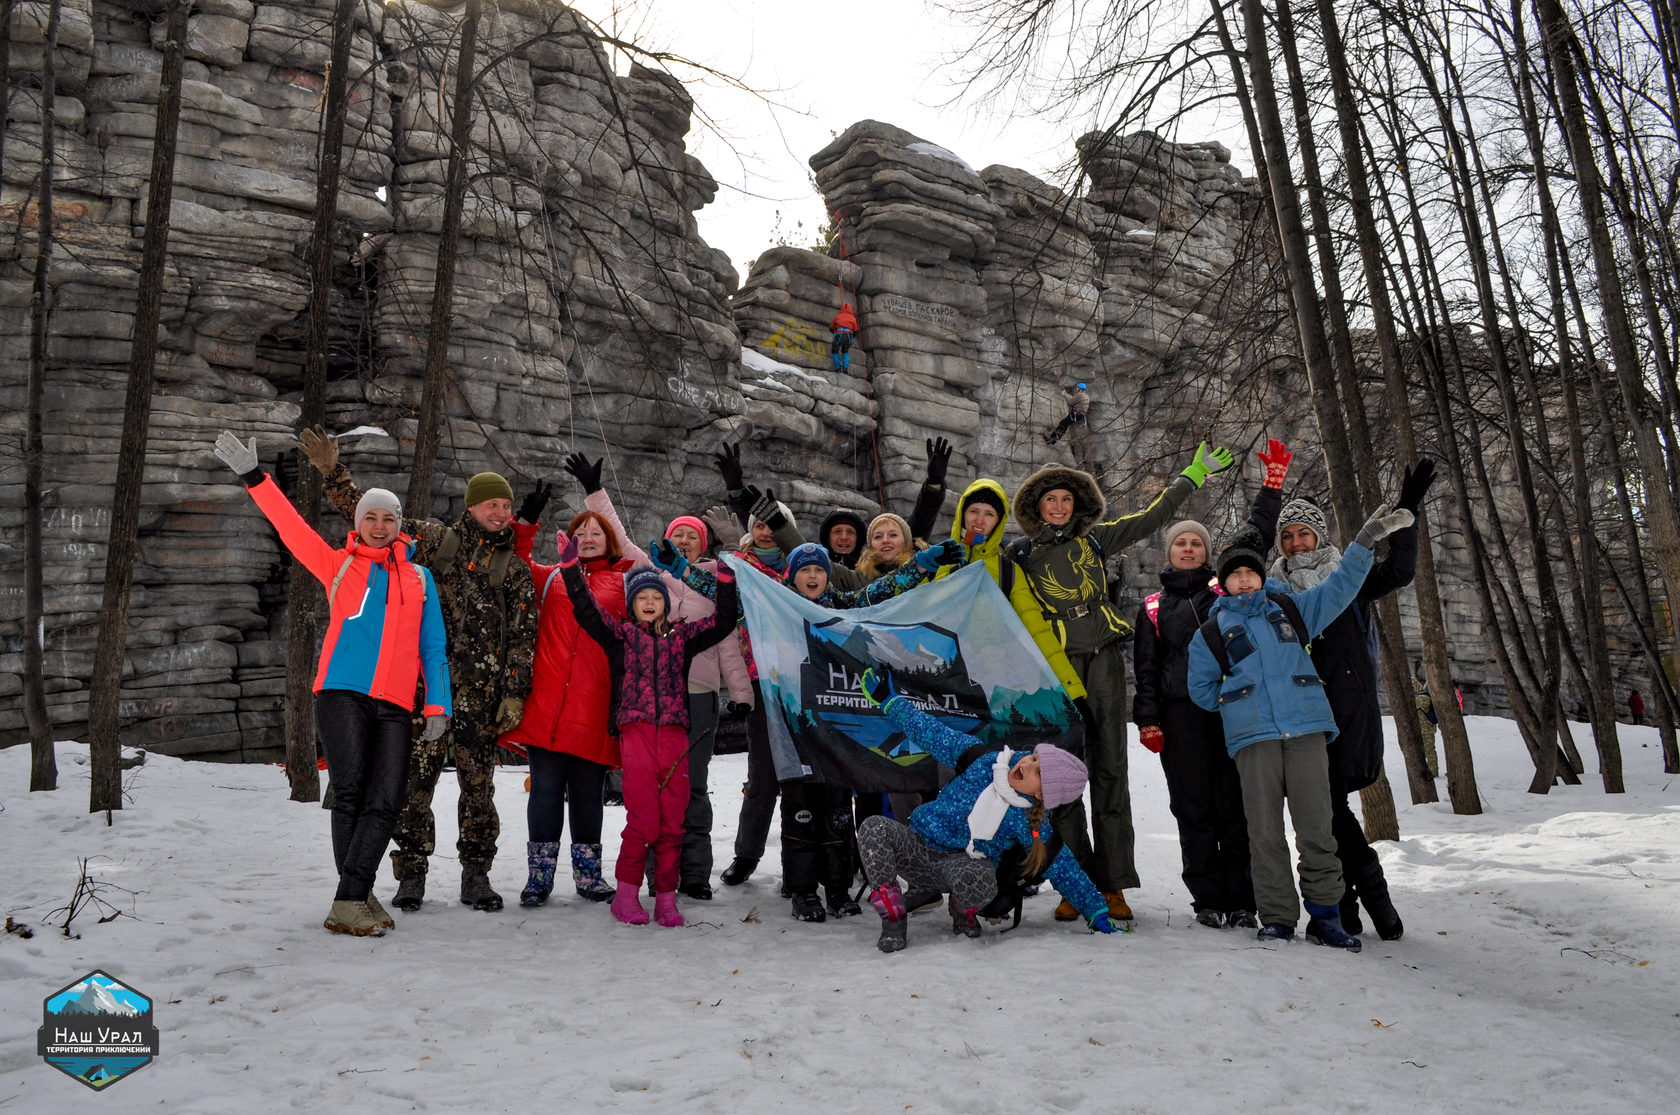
472, 735
1431, 758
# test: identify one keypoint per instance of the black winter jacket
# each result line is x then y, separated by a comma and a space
1161, 647
1345, 654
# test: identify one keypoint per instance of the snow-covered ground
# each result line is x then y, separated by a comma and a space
1538, 973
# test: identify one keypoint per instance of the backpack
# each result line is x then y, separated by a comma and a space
1216, 638
1012, 885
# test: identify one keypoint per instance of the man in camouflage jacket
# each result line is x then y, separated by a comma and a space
490, 610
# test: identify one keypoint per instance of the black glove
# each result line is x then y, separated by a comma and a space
878, 686
588, 473
1415, 484
728, 461
737, 710
767, 511
939, 459
531, 508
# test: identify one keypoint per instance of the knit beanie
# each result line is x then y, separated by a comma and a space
645, 577
378, 499
1304, 512
889, 517
808, 553
691, 521
488, 485
1062, 775
1246, 550
1189, 526
987, 496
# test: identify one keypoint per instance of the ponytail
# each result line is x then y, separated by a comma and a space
1038, 855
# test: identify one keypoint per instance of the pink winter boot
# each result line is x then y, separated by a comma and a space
665, 910
627, 905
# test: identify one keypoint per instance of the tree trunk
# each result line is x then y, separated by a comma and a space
124, 541
419, 498
43, 763
1381, 820
302, 770
1660, 511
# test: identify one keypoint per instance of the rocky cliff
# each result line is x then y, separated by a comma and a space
589, 314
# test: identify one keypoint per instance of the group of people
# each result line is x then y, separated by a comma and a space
451, 637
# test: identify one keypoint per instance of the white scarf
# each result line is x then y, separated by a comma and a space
1304, 571
993, 805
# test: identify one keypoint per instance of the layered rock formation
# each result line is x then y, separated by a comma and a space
589, 314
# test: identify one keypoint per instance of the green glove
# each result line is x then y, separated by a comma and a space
1207, 463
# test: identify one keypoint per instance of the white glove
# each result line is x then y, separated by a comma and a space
1381, 524
235, 454
436, 725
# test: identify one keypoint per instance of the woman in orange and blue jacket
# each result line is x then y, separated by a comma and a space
386, 632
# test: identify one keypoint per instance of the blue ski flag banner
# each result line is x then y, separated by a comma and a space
956, 649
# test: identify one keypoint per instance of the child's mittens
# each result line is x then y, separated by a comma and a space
1382, 523
666, 557
1276, 458
1152, 737
568, 550
879, 687
1103, 924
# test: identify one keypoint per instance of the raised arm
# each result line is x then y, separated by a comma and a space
944, 744
924, 516
321, 450
604, 629
1116, 534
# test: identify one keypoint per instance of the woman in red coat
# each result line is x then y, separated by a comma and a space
567, 728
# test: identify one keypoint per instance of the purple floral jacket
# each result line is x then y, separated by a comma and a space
649, 665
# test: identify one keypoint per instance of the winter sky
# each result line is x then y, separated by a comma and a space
823, 66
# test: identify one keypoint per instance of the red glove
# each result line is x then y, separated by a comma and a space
1276, 459
1152, 738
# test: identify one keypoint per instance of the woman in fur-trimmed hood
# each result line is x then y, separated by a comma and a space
1062, 560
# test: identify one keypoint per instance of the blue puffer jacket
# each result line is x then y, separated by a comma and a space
943, 822
1274, 691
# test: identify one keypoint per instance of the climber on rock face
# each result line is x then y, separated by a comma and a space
845, 327
1079, 405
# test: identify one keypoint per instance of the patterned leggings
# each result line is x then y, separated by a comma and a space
892, 850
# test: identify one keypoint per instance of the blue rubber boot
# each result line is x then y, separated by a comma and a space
541, 857
1325, 928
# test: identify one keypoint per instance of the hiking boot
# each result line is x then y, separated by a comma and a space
1384, 917
411, 894
379, 912
477, 892
1275, 931
1117, 908
1213, 919
842, 905
665, 910
700, 891
627, 905
541, 857
922, 899
1325, 928
964, 919
1066, 911
1241, 919
808, 907
739, 871
1350, 911
586, 873
353, 918
888, 901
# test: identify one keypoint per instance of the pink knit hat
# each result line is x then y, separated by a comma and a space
691, 521
1062, 774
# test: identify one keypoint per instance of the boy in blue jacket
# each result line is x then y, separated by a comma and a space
998, 803
1278, 721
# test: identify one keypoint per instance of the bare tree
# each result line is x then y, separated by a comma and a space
105, 752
